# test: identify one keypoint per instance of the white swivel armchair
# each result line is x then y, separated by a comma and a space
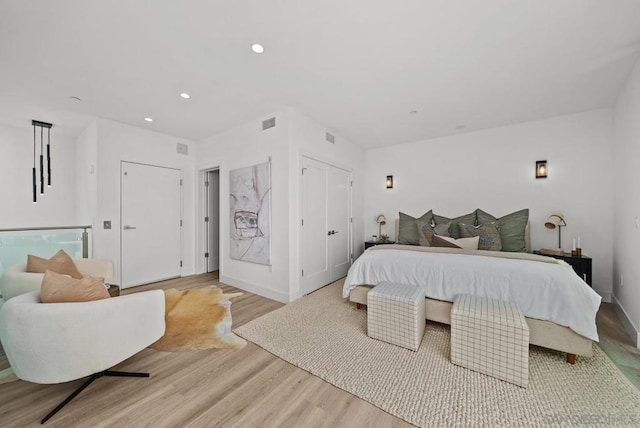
16, 280
59, 342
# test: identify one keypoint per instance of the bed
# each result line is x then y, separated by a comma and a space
560, 308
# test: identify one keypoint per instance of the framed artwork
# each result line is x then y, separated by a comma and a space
250, 213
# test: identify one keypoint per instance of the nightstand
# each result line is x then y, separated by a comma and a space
368, 244
580, 264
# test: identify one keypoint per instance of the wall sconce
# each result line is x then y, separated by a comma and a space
556, 220
541, 169
389, 181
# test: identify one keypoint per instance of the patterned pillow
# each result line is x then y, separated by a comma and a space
426, 231
489, 235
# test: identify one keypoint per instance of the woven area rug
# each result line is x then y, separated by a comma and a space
326, 336
198, 319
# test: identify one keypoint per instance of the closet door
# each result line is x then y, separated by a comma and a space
339, 214
325, 224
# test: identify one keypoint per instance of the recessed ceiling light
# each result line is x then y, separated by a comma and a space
148, 119
75, 98
257, 48
185, 95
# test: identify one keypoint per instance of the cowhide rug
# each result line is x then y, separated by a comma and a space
198, 319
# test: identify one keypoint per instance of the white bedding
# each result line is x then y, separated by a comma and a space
545, 291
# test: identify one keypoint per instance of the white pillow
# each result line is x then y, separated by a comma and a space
466, 243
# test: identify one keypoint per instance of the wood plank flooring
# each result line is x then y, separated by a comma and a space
225, 388
212, 388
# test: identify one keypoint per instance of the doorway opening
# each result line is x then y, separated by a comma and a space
212, 220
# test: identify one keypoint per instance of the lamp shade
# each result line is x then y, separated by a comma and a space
554, 220
381, 219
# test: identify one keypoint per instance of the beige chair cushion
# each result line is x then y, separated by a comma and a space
60, 262
57, 288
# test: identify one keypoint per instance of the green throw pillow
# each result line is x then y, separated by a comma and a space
407, 230
511, 226
454, 232
484, 217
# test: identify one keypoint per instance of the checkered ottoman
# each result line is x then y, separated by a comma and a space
395, 314
491, 337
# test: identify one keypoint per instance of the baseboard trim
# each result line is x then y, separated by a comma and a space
256, 289
630, 328
606, 295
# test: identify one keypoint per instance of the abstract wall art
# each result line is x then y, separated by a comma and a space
250, 213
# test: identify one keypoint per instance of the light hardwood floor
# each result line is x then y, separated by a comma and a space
224, 388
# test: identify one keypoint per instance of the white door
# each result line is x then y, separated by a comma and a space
326, 224
150, 224
315, 226
339, 213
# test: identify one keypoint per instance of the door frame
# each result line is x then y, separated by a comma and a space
301, 247
201, 227
122, 161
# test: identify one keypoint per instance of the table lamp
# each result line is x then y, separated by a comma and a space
556, 220
381, 220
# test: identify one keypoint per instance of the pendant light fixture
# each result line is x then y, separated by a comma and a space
41, 125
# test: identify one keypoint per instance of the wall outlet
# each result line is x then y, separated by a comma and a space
107, 224
637, 222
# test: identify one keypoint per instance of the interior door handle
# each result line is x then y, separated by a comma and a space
331, 232
127, 227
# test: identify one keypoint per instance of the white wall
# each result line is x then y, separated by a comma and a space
239, 147
626, 231
309, 140
117, 142
86, 174
294, 135
57, 206
494, 170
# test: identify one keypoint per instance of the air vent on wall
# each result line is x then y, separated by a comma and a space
269, 123
330, 138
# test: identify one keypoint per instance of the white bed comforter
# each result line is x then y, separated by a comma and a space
545, 291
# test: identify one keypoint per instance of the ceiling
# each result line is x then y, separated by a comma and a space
357, 67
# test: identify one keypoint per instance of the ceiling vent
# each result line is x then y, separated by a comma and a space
330, 138
269, 123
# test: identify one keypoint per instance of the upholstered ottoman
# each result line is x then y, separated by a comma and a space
491, 337
395, 314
